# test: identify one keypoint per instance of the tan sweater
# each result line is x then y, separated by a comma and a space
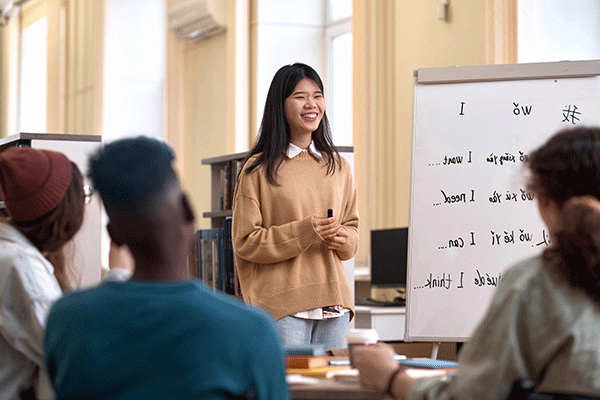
282, 262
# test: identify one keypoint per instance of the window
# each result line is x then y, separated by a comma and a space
33, 87
338, 37
554, 30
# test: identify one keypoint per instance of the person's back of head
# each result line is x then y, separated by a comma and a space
146, 206
566, 171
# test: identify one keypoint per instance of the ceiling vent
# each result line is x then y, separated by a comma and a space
197, 19
9, 9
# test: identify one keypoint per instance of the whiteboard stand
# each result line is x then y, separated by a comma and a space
471, 213
435, 349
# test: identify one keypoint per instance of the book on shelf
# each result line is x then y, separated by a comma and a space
208, 256
304, 361
214, 242
194, 262
228, 173
211, 259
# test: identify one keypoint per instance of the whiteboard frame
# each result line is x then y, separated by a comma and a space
504, 72
480, 73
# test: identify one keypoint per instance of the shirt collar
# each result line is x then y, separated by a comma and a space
294, 150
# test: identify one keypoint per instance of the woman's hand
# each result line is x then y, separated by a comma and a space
338, 240
334, 235
325, 227
376, 364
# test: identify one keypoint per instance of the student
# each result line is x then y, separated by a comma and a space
288, 252
160, 334
44, 196
543, 324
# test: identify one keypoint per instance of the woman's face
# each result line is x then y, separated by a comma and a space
304, 108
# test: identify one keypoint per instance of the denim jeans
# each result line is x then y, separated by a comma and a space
331, 331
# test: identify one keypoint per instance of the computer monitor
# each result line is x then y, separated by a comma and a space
389, 257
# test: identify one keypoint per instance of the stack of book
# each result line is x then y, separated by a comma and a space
306, 357
310, 360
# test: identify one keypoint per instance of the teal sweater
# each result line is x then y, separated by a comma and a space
142, 340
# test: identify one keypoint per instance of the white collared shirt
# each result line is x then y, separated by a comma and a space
294, 150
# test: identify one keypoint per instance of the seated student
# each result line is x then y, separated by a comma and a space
160, 334
44, 196
543, 323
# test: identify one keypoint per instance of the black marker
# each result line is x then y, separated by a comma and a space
329, 213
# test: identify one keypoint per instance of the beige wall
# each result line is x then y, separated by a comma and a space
206, 122
202, 111
9, 78
84, 66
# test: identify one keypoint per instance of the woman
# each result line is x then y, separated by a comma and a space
288, 252
543, 324
44, 197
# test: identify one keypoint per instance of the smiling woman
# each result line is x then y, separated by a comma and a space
288, 250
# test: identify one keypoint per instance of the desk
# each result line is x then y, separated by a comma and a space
328, 389
389, 322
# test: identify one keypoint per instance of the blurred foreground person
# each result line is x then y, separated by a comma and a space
160, 334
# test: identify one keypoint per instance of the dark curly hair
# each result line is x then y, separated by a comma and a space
128, 172
566, 170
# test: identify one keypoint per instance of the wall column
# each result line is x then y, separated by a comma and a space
9, 77
373, 104
174, 116
501, 31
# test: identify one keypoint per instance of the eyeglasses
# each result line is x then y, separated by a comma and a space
87, 194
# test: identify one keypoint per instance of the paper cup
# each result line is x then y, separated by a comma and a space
360, 337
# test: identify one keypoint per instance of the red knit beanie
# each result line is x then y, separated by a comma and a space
33, 181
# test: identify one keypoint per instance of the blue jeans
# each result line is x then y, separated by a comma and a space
331, 331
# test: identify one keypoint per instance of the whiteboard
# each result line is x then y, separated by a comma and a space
471, 215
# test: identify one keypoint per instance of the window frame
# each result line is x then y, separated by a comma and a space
332, 29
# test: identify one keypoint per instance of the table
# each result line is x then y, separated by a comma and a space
328, 389
326, 383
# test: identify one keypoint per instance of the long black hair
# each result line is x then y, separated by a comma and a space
274, 133
566, 170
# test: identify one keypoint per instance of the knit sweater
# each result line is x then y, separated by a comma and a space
283, 264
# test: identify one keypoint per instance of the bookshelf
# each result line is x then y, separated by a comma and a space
223, 172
